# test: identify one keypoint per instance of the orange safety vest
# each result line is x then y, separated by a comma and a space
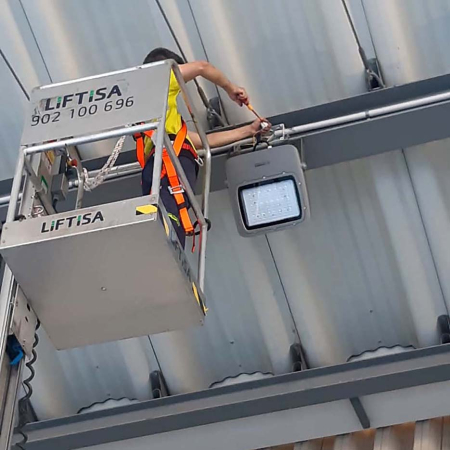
180, 143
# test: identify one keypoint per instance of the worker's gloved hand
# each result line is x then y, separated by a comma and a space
260, 126
237, 94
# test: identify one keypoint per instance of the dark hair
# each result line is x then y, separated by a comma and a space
161, 54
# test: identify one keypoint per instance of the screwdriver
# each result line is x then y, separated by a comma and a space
264, 124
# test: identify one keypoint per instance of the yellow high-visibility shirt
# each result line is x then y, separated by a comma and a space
173, 117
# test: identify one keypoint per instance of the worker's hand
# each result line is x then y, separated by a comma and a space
237, 94
257, 126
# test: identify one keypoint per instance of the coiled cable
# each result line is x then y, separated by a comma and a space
23, 402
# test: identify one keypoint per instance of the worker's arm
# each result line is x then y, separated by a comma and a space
209, 72
226, 137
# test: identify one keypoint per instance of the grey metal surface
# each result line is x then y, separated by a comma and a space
319, 62
24, 323
290, 55
430, 434
19, 49
411, 38
112, 261
303, 398
97, 37
11, 120
9, 406
358, 15
412, 43
248, 327
378, 135
69, 380
428, 165
93, 104
360, 274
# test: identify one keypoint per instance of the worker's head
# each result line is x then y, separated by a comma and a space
161, 54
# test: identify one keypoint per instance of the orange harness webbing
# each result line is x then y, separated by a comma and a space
168, 169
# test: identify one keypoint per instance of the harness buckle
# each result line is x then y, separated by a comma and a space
176, 189
199, 161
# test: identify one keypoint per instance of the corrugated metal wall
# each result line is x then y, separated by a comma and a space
412, 44
366, 271
427, 435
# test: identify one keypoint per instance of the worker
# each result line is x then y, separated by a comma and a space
186, 142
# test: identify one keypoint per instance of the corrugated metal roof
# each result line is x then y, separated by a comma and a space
411, 38
19, 49
288, 54
426, 435
359, 275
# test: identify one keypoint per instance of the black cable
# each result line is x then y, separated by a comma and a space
14, 74
23, 402
361, 50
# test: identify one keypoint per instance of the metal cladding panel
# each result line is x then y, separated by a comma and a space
410, 37
20, 51
289, 54
248, 327
80, 38
12, 114
429, 166
19, 46
359, 274
69, 380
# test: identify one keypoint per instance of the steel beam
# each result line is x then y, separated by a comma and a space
240, 409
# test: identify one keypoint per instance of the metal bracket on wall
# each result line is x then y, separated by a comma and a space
24, 322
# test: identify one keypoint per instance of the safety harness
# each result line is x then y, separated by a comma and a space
175, 187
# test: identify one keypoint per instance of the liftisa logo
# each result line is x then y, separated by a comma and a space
72, 221
81, 98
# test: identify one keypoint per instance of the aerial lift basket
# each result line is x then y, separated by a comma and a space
111, 271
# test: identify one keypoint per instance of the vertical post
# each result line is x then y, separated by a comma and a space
157, 163
7, 427
15, 188
7, 289
207, 175
160, 132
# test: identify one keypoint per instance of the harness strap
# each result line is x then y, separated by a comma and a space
174, 181
140, 145
169, 170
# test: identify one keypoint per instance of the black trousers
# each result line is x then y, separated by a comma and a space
190, 168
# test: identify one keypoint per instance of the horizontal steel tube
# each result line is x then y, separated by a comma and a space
124, 169
350, 118
91, 138
399, 107
4, 199
289, 132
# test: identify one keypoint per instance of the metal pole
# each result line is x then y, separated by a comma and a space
10, 405
15, 188
8, 285
91, 138
124, 169
160, 134
403, 106
157, 162
203, 138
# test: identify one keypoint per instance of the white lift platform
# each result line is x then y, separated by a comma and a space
112, 271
